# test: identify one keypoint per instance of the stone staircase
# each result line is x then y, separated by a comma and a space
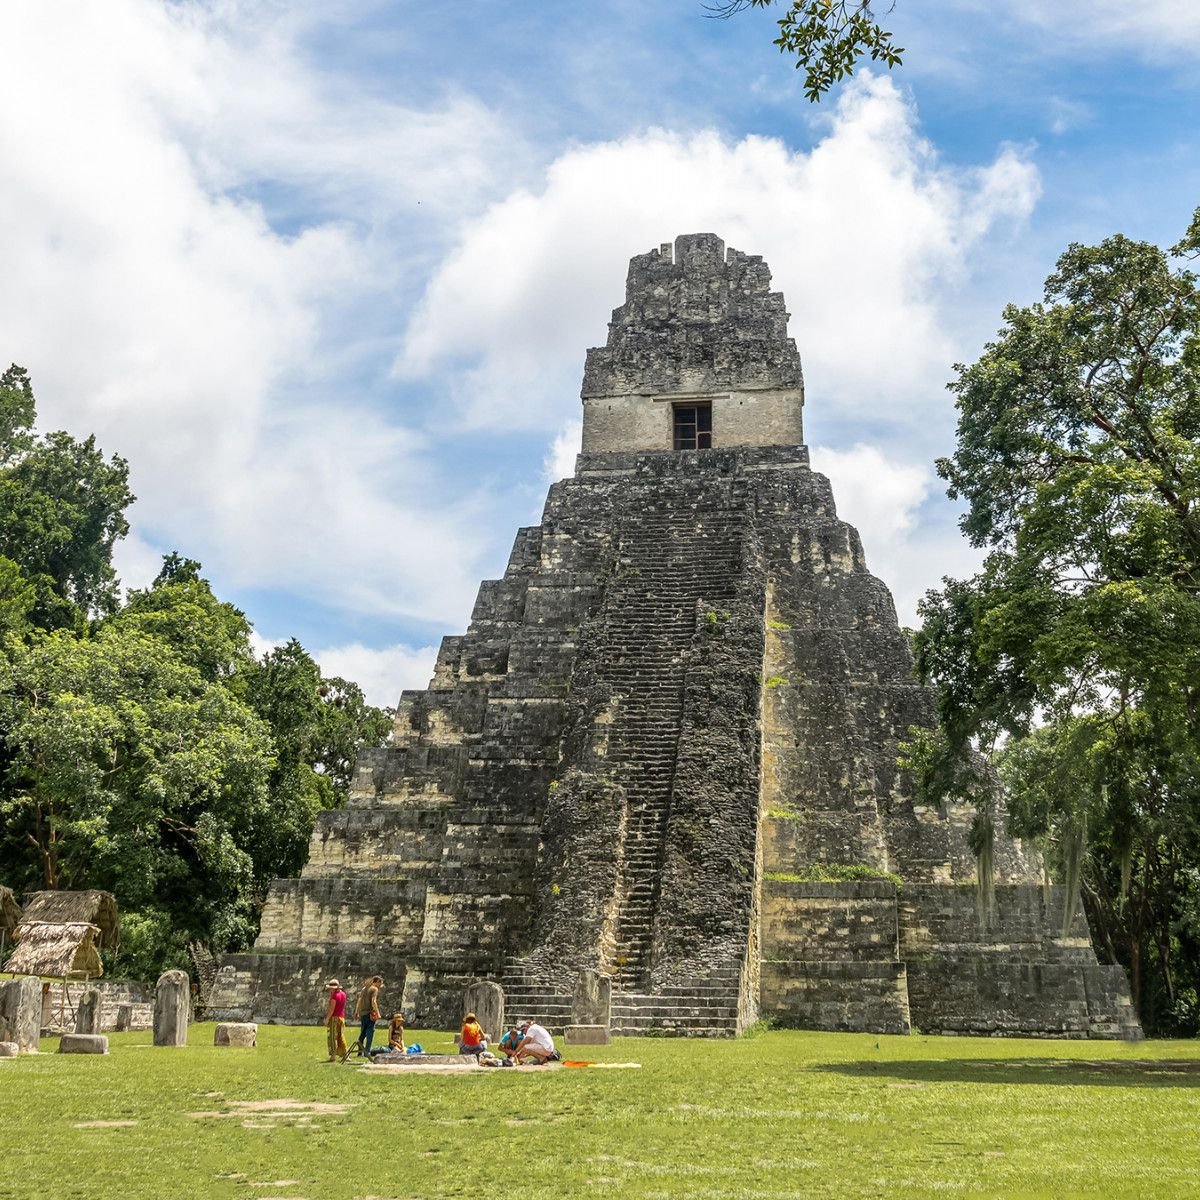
706, 1007
668, 563
698, 1008
528, 996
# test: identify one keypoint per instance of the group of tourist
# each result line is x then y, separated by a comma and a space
366, 1009
525, 1042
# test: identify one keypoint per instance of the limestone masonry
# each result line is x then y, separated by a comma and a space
684, 695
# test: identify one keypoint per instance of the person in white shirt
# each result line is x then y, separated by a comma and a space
536, 1044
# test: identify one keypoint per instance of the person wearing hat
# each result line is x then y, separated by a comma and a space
335, 1021
536, 1044
472, 1039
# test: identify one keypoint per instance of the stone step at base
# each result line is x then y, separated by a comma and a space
635, 1001
691, 1013
674, 1029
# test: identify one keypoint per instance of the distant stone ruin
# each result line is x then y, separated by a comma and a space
678, 709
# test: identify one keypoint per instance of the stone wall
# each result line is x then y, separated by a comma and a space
699, 323
114, 994
767, 417
830, 956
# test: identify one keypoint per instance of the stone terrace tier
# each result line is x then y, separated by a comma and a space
685, 689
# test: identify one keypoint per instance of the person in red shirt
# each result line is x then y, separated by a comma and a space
335, 1021
472, 1039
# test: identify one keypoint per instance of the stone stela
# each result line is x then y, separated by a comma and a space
685, 694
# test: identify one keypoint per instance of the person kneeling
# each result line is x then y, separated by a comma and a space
536, 1044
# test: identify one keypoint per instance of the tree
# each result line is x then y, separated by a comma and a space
179, 606
828, 37
143, 747
1074, 654
62, 508
318, 725
129, 771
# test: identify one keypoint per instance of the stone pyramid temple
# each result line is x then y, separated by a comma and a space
666, 728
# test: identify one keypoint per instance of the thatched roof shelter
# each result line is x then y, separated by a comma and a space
56, 950
74, 908
10, 911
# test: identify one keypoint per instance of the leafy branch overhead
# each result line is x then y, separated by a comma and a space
827, 37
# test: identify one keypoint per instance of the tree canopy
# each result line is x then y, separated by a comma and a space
144, 748
1073, 656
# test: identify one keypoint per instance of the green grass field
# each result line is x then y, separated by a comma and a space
772, 1115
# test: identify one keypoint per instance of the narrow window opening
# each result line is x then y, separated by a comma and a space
693, 427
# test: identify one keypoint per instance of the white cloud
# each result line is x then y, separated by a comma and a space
382, 674
559, 462
1065, 115
137, 562
156, 306
881, 497
867, 235
263, 645
1155, 26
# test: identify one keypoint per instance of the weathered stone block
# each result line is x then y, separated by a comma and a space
21, 1012
9, 1049
87, 1012
486, 1000
124, 1017
591, 1004
235, 1033
172, 1008
83, 1043
587, 1035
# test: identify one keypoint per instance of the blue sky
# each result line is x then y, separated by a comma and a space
325, 272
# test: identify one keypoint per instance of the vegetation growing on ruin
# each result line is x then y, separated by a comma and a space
782, 1113
835, 873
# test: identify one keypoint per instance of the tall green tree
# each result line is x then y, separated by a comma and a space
62, 509
129, 771
143, 747
1075, 652
180, 607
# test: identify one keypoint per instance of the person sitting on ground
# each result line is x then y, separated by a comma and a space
510, 1041
472, 1039
366, 1008
395, 1042
536, 1044
335, 1021
396, 1033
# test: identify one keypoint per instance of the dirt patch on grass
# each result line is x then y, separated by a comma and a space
103, 1124
298, 1114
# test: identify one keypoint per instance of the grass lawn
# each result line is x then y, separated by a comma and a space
772, 1115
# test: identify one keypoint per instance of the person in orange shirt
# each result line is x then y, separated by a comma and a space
472, 1039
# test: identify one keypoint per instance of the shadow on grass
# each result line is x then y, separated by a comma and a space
1156, 1073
